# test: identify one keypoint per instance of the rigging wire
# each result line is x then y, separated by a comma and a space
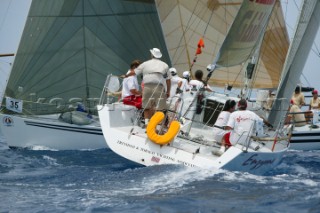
204, 32
316, 51
184, 30
192, 22
306, 79
5, 15
2, 69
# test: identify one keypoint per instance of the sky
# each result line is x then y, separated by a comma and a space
13, 15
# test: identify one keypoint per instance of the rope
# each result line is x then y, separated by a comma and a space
184, 30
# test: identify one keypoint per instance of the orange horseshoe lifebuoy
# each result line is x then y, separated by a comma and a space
161, 139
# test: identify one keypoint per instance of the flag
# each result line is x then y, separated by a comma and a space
155, 159
198, 51
200, 45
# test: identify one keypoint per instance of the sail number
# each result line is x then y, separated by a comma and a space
14, 104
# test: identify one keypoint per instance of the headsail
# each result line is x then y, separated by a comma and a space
69, 46
185, 21
245, 33
305, 32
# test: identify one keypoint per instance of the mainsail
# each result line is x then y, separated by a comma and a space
4, 77
69, 46
305, 32
186, 21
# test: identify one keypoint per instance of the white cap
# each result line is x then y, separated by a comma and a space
173, 70
186, 74
156, 53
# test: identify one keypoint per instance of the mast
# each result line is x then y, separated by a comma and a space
306, 30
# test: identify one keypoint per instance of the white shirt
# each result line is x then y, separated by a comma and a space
196, 84
242, 122
154, 71
221, 121
174, 85
128, 84
185, 85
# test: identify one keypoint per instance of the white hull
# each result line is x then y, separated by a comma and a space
305, 138
49, 132
132, 143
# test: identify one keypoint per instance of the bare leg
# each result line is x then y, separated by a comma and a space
148, 113
223, 145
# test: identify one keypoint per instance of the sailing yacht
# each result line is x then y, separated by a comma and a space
304, 137
189, 140
207, 18
66, 51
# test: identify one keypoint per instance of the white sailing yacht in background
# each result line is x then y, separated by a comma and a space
305, 137
4, 77
190, 142
66, 51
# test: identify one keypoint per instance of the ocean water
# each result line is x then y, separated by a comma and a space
43, 180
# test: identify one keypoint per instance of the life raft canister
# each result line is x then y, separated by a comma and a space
161, 139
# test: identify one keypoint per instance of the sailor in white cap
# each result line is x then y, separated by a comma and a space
157, 83
176, 82
186, 74
185, 81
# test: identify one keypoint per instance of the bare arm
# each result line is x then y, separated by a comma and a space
135, 92
168, 81
228, 128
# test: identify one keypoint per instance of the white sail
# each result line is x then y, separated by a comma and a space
69, 46
186, 21
245, 33
305, 32
67, 49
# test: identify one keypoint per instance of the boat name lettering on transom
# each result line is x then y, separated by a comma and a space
147, 151
166, 157
186, 163
126, 144
257, 163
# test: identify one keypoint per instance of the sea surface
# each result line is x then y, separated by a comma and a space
44, 180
